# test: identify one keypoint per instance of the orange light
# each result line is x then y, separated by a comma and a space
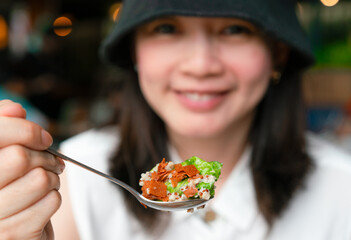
4, 34
114, 11
62, 26
329, 3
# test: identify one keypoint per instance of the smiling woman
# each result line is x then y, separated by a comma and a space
219, 70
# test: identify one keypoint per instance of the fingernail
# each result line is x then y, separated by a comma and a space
46, 138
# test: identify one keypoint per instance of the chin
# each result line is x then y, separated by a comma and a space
196, 131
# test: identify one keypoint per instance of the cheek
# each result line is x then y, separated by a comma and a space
154, 67
257, 73
255, 65
150, 88
148, 70
152, 75
151, 57
252, 67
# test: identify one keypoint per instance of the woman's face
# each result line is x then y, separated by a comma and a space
202, 76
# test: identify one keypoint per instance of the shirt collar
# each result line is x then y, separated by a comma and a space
236, 202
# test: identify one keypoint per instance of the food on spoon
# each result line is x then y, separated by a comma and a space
191, 179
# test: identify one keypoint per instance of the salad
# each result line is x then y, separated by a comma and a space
193, 178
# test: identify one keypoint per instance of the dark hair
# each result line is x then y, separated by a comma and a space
143, 144
279, 162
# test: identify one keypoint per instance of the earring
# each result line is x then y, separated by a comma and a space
276, 75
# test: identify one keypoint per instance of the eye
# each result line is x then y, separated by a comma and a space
165, 28
236, 29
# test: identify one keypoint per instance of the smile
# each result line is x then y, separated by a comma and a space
200, 101
200, 97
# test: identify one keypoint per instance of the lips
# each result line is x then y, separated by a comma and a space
201, 101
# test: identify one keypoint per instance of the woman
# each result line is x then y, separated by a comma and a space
216, 79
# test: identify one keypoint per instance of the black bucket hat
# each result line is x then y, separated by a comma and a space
277, 18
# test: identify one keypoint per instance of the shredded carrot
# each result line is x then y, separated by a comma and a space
178, 167
156, 189
162, 165
190, 191
191, 170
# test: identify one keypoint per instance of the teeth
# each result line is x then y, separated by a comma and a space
199, 97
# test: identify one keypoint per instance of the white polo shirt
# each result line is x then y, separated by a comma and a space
321, 210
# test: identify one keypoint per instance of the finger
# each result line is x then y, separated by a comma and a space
26, 191
23, 132
9, 108
29, 223
16, 161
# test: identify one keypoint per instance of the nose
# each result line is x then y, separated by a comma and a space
201, 57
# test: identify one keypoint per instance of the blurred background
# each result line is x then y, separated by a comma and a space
49, 63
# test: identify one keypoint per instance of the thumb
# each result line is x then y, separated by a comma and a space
9, 108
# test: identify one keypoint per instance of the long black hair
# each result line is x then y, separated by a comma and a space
279, 161
143, 144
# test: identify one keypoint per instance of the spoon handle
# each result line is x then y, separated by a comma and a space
112, 179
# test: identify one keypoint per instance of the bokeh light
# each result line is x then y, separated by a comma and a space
329, 3
62, 26
3, 33
114, 11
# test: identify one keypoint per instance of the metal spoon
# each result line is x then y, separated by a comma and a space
163, 206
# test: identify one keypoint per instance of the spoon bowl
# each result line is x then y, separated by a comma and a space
173, 206
159, 205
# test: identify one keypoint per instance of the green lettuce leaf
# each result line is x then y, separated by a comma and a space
205, 168
181, 184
